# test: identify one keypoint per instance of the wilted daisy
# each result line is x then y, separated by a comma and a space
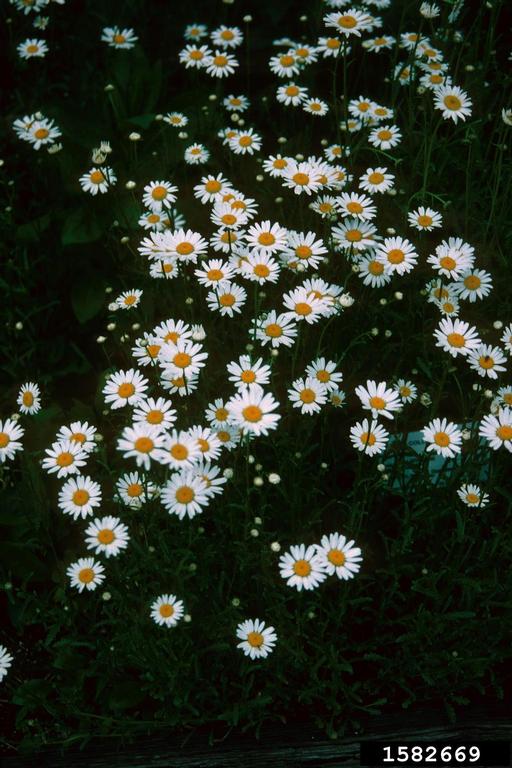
98, 180
339, 556
251, 410
167, 610
257, 640
10, 434
141, 441
302, 567
32, 48
29, 398
472, 495
385, 137
443, 437
473, 284
424, 219
129, 299
378, 398
308, 394
370, 438
406, 390
158, 195
5, 661
184, 494
125, 388
456, 337
119, 38
487, 360
397, 255
376, 180
497, 429
79, 496
107, 536
453, 102
220, 64
65, 458
86, 573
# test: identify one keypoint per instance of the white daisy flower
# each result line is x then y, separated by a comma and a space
304, 305
141, 441
338, 556
370, 438
424, 219
456, 337
107, 536
134, 489
349, 22
65, 458
183, 358
276, 330
267, 237
316, 107
244, 372
195, 56
308, 394
29, 398
260, 267
227, 299
245, 142
358, 206
196, 154
79, 496
86, 573
158, 413
487, 360
211, 187
98, 180
32, 48
179, 450
257, 640
129, 299
397, 255
471, 495
207, 442
497, 429
406, 390
159, 195
385, 136
324, 371
291, 94
80, 432
373, 272
473, 284
119, 38
5, 661
167, 610
378, 398
251, 410
301, 177
184, 494
302, 567
220, 64
443, 437
453, 102
125, 388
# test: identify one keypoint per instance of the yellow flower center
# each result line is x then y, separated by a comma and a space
307, 396
424, 220
252, 413
185, 494
266, 238
86, 575
80, 497
227, 300
144, 444
181, 360
302, 568
261, 270
300, 178
486, 362
441, 439
447, 262
4, 440
159, 193
196, 55
96, 177
336, 557
291, 90
32, 48
279, 163
375, 268
166, 611
119, 39
255, 639
354, 207
376, 178
134, 490
472, 282
303, 309
472, 498
368, 438
106, 536
227, 34
333, 43
377, 402
184, 249
384, 135
28, 399
179, 452
456, 340
396, 256
41, 133
220, 61
504, 432
452, 102
154, 417
286, 61
353, 235
274, 330
347, 21
65, 459
213, 185
126, 390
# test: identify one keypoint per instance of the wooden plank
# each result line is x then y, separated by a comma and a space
278, 747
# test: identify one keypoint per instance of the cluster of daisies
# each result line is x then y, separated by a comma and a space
38, 130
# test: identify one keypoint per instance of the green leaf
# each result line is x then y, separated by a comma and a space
87, 297
81, 226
